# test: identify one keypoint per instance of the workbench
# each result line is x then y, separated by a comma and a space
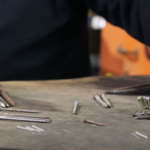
55, 99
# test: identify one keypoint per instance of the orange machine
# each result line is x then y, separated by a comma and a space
120, 54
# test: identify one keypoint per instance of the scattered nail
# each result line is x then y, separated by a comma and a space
92, 122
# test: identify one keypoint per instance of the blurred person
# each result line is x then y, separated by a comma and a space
47, 39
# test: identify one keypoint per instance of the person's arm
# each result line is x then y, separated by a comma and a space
131, 15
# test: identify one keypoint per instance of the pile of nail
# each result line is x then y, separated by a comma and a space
142, 114
144, 101
33, 128
102, 99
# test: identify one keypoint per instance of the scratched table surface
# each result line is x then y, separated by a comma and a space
55, 99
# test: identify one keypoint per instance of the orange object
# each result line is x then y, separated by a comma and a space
120, 54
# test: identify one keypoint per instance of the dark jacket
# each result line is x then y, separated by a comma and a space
47, 39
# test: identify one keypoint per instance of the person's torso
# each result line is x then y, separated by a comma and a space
43, 39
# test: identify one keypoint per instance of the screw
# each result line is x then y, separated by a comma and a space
92, 122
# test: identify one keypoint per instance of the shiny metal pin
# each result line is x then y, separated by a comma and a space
33, 126
100, 101
104, 98
75, 107
22, 118
19, 110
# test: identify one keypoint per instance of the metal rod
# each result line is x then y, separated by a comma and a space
142, 117
128, 87
28, 119
19, 110
12, 115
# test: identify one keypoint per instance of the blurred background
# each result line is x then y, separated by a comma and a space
113, 51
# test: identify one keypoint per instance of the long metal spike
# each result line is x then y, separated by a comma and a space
19, 110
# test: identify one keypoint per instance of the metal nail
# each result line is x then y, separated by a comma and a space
6, 98
140, 99
28, 119
75, 108
92, 122
33, 129
135, 136
104, 98
37, 128
24, 128
2, 105
148, 101
145, 102
100, 101
3, 101
142, 135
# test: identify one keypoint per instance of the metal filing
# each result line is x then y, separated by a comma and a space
92, 122
75, 108
99, 100
104, 98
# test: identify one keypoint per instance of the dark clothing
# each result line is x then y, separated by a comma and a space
47, 39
